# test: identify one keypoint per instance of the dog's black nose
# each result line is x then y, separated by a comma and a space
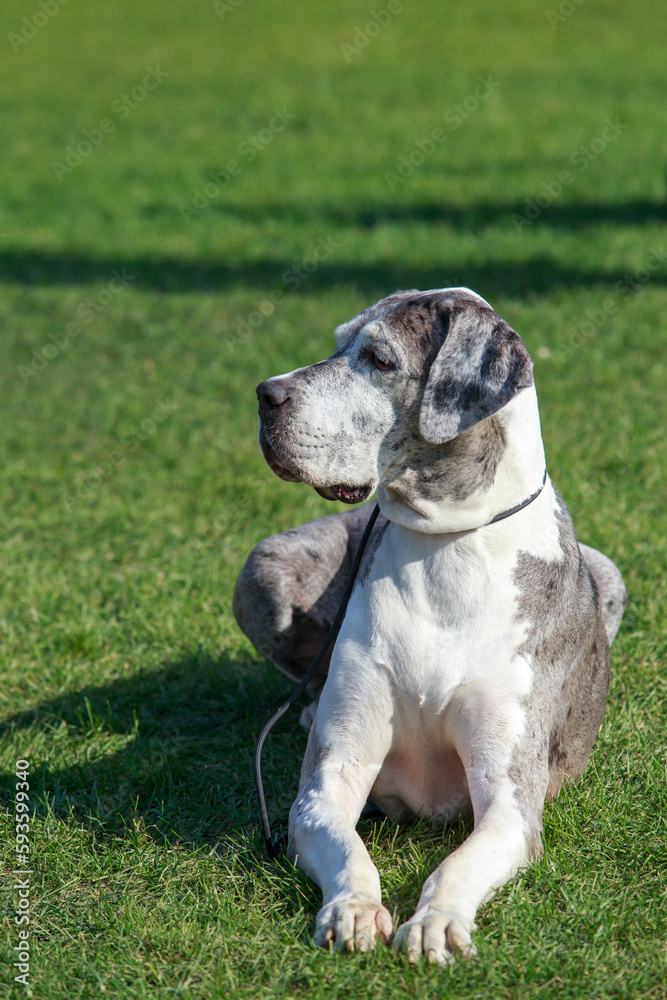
271, 394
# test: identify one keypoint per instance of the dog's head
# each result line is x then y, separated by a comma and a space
410, 378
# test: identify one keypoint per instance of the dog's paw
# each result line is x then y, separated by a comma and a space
436, 935
352, 924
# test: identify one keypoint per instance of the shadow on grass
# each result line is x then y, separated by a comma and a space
182, 774
469, 218
171, 747
536, 275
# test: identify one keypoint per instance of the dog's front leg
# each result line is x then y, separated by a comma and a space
451, 896
342, 760
507, 774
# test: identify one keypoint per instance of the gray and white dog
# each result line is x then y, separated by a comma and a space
472, 668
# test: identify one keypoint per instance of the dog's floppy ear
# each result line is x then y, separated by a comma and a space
480, 366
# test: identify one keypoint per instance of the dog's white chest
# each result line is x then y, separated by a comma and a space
438, 619
438, 615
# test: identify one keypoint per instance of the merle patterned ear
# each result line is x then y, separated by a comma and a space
480, 366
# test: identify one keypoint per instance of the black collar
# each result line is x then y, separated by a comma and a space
519, 506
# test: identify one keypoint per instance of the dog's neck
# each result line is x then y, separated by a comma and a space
518, 474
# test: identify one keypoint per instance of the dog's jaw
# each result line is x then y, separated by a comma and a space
343, 492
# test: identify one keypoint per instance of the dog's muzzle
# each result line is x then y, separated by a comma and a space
275, 402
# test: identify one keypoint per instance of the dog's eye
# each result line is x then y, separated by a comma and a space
378, 361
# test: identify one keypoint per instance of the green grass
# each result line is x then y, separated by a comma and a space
124, 679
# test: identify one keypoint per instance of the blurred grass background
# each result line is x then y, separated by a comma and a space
133, 487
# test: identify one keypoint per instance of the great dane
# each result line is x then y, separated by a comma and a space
472, 667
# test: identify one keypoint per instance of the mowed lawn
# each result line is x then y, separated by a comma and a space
192, 197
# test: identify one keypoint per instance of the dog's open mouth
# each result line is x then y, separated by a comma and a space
348, 494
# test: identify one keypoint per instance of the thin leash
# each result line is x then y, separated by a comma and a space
273, 848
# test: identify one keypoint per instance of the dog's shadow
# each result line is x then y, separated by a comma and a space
170, 750
171, 747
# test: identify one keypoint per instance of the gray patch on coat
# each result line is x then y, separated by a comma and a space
346, 331
455, 470
568, 647
420, 322
291, 585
